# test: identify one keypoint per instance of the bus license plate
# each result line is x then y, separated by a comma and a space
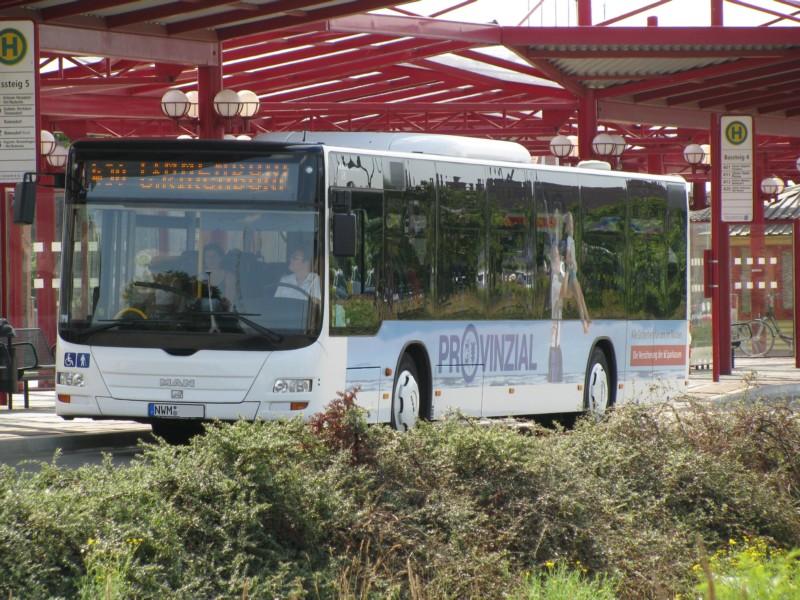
175, 411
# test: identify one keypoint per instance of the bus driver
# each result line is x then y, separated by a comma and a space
300, 277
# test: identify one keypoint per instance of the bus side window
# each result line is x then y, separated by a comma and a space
356, 280
462, 267
410, 238
510, 243
647, 247
604, 204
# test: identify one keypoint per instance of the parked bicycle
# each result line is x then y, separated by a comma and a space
756, 337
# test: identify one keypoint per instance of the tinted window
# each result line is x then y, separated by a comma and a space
603, 202
356, 282
647, 234
410, 238
675, 307
356, 170
510, 243
461, 281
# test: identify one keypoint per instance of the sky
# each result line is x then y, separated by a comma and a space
563, 12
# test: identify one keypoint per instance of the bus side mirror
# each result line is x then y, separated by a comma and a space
344, 234
25, 200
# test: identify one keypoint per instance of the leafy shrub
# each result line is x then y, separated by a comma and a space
336, 509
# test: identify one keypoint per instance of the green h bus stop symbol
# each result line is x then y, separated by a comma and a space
736, 133
13, 46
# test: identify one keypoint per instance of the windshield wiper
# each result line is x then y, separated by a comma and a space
270, 334
106, 324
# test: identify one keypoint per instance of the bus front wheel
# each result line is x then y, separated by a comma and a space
597, 390
406, 396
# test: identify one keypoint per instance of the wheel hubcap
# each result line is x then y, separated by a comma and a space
598, 390
406, 401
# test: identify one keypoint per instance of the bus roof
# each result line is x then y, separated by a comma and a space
425, 143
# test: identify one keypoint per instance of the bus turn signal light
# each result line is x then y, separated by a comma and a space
298, 405
64, 398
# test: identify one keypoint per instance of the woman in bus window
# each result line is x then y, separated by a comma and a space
571, 288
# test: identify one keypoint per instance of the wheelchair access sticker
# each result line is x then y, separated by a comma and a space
76, 359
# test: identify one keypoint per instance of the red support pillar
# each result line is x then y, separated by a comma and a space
45, 274
716, 13
587, 124
209, 82
720, 296
584, 13
699, 199
655, 164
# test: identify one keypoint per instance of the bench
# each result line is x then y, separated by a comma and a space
35, 359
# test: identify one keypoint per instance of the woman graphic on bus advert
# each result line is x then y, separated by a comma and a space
571, 288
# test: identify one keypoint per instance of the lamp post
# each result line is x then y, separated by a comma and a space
609, 146
58, 157
174, 104
561, 147
193, 112
772, 186
47, 142
696, 155
603, 144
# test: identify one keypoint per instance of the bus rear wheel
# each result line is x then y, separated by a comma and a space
597, 389
406, 395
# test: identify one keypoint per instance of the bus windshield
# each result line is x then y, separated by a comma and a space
190, 255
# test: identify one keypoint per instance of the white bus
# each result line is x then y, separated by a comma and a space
255, 280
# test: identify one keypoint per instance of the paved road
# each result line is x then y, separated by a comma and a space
36, 432
121, 456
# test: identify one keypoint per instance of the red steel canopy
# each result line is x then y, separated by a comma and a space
330, 65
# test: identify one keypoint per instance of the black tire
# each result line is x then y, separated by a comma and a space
598, 396
761, 339
406, 395
177, 432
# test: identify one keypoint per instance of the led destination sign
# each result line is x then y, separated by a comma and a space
259, 179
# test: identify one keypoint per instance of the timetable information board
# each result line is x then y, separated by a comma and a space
736, 155
18, 82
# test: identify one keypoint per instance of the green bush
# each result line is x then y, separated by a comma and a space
336, 509
754, 570
561, 583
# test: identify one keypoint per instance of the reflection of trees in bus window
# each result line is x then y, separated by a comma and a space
410, 236
356, 284
461, 269
356, 170
676, 252
510, 243
603, 200
647, 293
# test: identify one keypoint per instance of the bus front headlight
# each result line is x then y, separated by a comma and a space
69, 378
291, 386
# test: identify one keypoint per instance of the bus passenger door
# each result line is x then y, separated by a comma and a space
355, 293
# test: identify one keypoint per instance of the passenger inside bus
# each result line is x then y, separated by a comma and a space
214, 269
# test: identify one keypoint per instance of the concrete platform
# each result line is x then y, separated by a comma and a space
37, 430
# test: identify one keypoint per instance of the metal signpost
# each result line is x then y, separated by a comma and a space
731, 201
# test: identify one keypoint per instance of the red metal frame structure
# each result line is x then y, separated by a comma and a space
321, 66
